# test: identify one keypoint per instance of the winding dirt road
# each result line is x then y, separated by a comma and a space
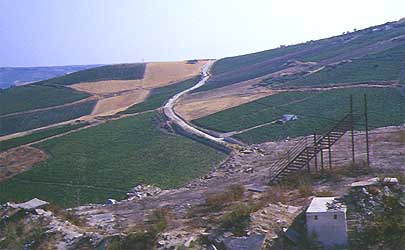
188, 127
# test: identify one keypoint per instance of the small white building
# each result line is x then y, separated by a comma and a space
326, 220
286, 118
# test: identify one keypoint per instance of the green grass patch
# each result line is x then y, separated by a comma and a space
107, 160
383, 66
356, 41
132, 71
39, 135
317, 111
22, 122
238, 62
241, 68
251, 114
24, 98
159, 96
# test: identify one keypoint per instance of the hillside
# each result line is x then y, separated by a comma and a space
13, 76
355, 45
99, 91
107, 160
247, 94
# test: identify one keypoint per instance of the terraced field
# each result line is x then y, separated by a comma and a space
24, 98
107, 160
22, 122
38, 135
133, 71
384, 66
316, 111
354, 45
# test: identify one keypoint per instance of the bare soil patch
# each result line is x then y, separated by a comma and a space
160, 74
195, 109
17, 160
118, 95
205, 103
208, 102
112, 105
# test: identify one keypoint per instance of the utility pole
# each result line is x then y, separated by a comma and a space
352, 129
330, 153
366, 123
321, 159
316, 154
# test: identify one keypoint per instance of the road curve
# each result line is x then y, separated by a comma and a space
176, 119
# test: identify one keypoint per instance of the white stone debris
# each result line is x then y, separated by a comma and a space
29, 205
375, 181
142, 191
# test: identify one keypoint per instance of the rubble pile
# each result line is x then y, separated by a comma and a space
367, 197
272, 219
174, 239
34, 215
142, 191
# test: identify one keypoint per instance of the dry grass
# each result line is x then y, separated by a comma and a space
112, 105
196, 108
160, 74
17, 160
275, 195
216, 201
66, 215
156, 75
130, 92
401, 137
108, 87
324, 193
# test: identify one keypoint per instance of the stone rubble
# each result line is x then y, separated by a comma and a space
143, 191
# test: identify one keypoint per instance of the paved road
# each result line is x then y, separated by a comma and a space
176, 119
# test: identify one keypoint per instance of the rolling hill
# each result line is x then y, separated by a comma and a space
14, 76
365, 46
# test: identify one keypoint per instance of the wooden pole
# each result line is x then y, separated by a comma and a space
366, 123
330, 153
316, 154
321, 159
308, 167
352, 129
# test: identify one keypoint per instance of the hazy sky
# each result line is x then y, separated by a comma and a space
64, 32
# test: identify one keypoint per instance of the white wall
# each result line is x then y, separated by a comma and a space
328, 231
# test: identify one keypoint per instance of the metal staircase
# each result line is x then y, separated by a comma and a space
303, 152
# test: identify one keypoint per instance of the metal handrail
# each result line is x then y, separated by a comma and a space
283, 163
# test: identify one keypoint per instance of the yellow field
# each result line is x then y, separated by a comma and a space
201, 104
115, 104
157, 74
126, 93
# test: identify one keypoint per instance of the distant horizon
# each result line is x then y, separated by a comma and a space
46, 33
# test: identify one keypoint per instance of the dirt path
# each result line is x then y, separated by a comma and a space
93, 124
188, 127
388, 84
247, 129
69, 185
